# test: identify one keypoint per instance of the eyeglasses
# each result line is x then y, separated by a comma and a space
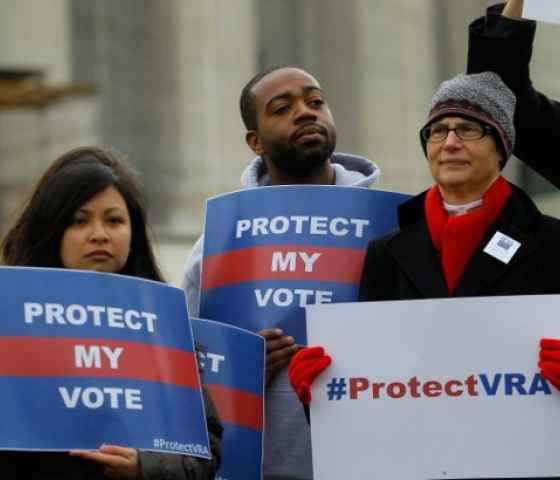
466, 131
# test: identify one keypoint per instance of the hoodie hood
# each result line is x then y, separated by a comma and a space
350, 171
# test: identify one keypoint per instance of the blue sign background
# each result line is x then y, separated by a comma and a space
34, 415
241, 372
242, 264
223, 211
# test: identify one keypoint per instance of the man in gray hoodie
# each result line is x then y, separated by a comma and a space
291, 130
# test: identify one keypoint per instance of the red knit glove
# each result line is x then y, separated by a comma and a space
549, 360
304, 367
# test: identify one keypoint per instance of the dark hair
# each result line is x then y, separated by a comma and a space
247, 98
72, 180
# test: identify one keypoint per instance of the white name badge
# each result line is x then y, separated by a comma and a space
502, 247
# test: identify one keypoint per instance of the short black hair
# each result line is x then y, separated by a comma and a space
247, 98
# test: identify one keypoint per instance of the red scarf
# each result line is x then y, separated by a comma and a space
457, 237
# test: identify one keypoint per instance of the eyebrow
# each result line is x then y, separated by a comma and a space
453, 124
108, 210
458, 121
287, 95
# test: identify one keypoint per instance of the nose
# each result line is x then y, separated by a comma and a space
452, 141
304, 112
99, 233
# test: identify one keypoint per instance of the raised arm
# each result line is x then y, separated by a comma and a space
513, 9
502, 42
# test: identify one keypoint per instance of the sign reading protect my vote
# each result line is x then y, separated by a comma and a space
435, 389
232, 360
90, 358
269, 252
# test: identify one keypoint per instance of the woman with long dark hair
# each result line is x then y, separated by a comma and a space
87, 213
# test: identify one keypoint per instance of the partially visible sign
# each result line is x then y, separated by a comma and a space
270, 251
233, 361
543, 10
89, 358
435, 389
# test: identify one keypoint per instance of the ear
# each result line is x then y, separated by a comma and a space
254, 142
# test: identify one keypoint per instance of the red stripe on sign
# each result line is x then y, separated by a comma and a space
238, 407
283, 262
80, 357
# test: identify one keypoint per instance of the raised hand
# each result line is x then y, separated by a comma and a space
513, 9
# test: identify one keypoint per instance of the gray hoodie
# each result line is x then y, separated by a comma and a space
287, 442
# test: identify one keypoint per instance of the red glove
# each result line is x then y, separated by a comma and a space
549, 360
304, 368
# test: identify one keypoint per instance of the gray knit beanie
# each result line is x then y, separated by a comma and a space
481, 96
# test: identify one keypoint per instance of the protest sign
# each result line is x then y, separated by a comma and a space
270, 251
434, 389
90, 358
544, 10
232, 360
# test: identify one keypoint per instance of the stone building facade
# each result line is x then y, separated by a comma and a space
167, 77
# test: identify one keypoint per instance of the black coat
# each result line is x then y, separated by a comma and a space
505, 46
405, 265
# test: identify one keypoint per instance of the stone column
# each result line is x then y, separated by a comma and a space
215, 55
170, 74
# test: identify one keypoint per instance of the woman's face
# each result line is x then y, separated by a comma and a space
100, 234
468, 166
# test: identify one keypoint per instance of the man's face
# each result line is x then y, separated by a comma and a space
467, 166
295, 128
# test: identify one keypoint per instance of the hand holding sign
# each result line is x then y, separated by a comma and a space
306, 365
118, 462
279, 350
549, 360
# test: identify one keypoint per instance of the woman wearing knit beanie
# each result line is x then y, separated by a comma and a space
472, 233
